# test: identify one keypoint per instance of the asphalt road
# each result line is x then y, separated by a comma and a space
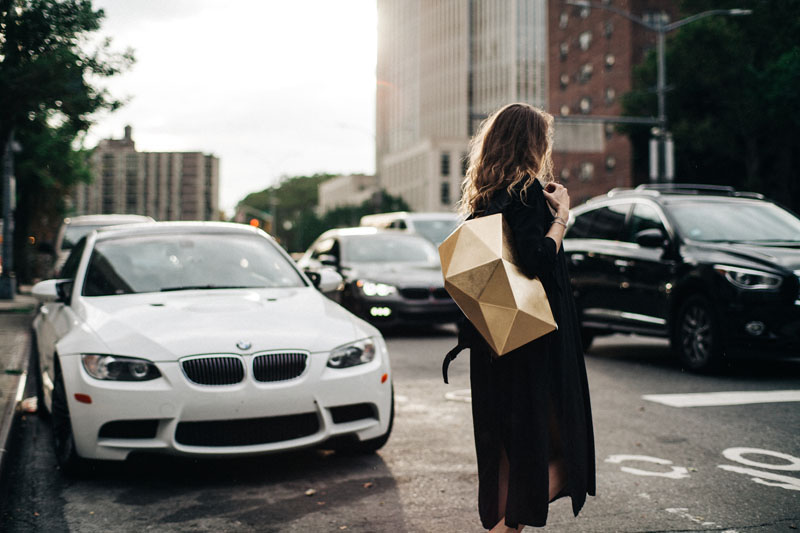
728, 468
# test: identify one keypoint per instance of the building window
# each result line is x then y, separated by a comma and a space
585, 73
610, 60
445, 193
586, 172
564, 110
611, 95
585, 12
564, 80
608, 29
611, 163
464, 163
585, 105
563, 20
564, 174
585, 40
444, 164
563, 50
609, 129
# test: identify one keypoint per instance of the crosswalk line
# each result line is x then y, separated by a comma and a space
713, 399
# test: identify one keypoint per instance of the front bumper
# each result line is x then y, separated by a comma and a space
771, 328
398, 311
173, 415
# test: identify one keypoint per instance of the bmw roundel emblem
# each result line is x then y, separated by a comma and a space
244, 345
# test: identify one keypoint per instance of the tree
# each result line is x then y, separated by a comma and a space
47, 98
734, 100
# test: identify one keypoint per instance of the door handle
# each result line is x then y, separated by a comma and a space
576, 258
44, 310
622, 263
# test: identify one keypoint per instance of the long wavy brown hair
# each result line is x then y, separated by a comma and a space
514, 145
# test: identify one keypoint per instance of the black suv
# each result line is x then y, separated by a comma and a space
714, 270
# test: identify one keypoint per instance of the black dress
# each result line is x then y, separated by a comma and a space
533, 401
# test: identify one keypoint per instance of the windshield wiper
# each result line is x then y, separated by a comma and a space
201, 287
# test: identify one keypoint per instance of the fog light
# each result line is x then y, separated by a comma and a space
755, 328
380, 311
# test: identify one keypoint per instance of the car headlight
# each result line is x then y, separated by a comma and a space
371, 288
745, 278
353, 354
113, 368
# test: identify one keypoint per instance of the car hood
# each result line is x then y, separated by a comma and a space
400, 275
167, 326
768, 256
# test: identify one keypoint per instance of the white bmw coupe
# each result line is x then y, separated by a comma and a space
202, 339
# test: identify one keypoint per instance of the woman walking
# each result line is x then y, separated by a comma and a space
530, 407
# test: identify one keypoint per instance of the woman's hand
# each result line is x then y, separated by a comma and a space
558, 199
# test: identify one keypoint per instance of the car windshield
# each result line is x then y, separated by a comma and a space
743, 221
435, 230
174, 262
72, 234
384, 248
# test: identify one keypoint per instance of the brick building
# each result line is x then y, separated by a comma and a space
591, 55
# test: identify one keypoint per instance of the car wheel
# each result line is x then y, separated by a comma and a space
371, 445
697, 339
63, 439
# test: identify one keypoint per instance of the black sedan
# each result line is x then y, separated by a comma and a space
391, 278
715, 270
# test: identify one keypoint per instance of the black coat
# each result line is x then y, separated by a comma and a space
534, 401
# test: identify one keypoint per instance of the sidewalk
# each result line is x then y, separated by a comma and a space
15, 324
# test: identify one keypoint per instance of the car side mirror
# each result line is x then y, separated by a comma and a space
328, 260
651, 238
64, 290
53, 290
326, 280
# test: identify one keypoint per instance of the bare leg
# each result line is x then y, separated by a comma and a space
557, 477
502, 496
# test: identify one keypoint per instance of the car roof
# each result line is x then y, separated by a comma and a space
670, 192
93, 220
166, 228
360, 231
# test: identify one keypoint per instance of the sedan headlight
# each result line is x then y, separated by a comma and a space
371, 288
746, 278
353, 354
113, 368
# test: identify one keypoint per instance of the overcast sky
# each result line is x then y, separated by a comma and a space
271, 87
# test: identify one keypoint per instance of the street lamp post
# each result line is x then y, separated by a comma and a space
662, 161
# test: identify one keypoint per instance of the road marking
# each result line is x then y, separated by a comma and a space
735, 454
761, 477
677, 472
710, 399
461, 395
683, 512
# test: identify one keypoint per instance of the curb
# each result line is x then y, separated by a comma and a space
8, 416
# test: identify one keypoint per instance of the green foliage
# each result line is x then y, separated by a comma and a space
733, 107
293, 201
47, 99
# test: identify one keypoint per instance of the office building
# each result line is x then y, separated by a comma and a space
163, 185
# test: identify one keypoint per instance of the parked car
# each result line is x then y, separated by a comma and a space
433, 226
391, 277
202, 339
73, 228
714, 270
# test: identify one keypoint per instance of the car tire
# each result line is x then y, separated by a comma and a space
697, 337
63, 438
370, 445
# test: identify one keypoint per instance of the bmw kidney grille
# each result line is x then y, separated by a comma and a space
214, 370
279, 366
